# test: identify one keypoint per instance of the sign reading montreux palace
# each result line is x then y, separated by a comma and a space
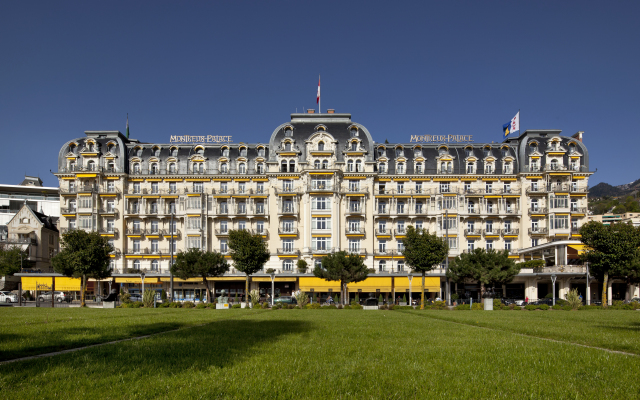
441, 138
201, 139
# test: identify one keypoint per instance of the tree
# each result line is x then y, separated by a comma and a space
612, 250
12, 258
423, 251
248, 252
196, 263
84, 255
302, 266
342, 267
487, 267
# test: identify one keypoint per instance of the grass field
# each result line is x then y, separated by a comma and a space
326, 354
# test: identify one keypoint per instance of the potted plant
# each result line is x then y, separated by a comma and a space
455, 297
302, 266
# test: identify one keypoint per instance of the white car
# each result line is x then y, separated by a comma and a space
8, 297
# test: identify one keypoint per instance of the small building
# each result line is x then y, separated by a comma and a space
36, 233
610, 218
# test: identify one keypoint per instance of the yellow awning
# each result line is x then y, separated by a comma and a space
371, 285
136, 280
68, 284
36, 283
277, 279
431, 283
179, 280
228, 278
318, 285
581, 248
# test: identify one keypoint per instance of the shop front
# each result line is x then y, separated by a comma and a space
412, 291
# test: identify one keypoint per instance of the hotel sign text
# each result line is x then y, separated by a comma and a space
201, 139
441, 138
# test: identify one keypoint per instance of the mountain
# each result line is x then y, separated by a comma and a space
604, 189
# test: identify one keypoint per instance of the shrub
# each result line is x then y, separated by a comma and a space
566, 308
175, 304
137, 304
188, 304
164, 305
543, 307
236, 306
126, 298
380, 299
573, 298
497, 303
148, 298
265, 305
404, 298
211, 306
617, 303
557, 307
315, 306
347, 307
254, 295
391, 307
635, 305
290, 306
455, 296
201, 305
163, 296
354, 302
356, 307
589, 308
301, 297
548, 296
530, 307
462, 307
477, 306
339, 306
438, 305
513, 307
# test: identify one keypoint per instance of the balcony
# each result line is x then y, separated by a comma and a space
404, 210
555, 167
290, 209
384, 191
262, 232
420, 211
578, 210
450, 190
68, 210
288, 190
287, 231
423, 190
223, 210
510, 231
320, 187
154, 251
567, 269
382, 211
558, 187
108, 190
357, 252
473, 210
383, 232
136, 232
67, 230
323, 250
258, 211
385, 252
354, 231
222, 191
537, 190
222, 232
575, 230
19, 241
579, 189
538, 210
400, 232
491, 232
108, 231
473, 232
109, 211
241, 210
538, 231
288, 252
354, 190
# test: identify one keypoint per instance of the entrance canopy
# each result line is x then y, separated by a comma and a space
431, 283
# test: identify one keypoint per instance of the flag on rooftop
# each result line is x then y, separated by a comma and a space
512, 126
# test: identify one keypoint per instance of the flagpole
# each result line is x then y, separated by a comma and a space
319, 96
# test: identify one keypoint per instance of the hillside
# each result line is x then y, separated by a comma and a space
604, 198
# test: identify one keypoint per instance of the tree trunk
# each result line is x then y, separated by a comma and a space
82, 293
422, 293
605, 299
246, 292
206, 285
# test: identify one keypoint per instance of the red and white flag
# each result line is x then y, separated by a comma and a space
318, 97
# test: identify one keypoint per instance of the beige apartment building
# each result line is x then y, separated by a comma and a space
320, 183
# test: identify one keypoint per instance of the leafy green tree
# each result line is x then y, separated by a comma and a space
423, 251
248, 252
343, 267
84, 255
302, 266
196, 263
612, 250
487, 267
532, 264
12, 258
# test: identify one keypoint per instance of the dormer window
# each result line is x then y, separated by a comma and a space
138, 152
382, 169
572, 147
320, 146
417, 152
200, 151
354, 131
154, 168
504, 151
487, 151
243, 152
172, 167
72, 148
90, 146
292, 166
508, 167
224, 168
442, 150
91, 166
174, 152
398, 152
418, 168
111, 166
468, 151
554, 164
381, 152
287, 146
288, 132
283, 166
261, 152
316, 164
400, 168
72, 165
354, 146
260, 168
469, 168
242, 168
225, 152
136, 168
156, 151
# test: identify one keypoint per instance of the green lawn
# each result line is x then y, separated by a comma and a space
326, 354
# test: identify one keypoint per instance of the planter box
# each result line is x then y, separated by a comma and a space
243, 305
488, 304
108, 304
222, 306
402, 303
370, 308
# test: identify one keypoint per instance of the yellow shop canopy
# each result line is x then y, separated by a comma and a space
68, 284
36, 282
278, 279
371, 285
179, 280
431, 283
318, 285
136, 280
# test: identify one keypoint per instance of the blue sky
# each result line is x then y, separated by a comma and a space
241, 68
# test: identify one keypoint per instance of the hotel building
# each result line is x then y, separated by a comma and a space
320, 183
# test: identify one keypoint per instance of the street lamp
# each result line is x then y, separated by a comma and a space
553, 279
171, 262
273, 278
142, 278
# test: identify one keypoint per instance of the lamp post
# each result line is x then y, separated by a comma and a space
142, 278
171, 262
553, 279
587, 289
273, 279
410, 278
447, 290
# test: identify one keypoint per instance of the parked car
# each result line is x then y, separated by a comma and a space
135, 297
285, 300
58, 296
8, 297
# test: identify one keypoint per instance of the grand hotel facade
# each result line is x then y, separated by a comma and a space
322, 184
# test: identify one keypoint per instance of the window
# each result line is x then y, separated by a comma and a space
467, 187
225, 152
447, 203
354, 131
320, 203
224, 246
504, 151
316, 164
354, 146
382, 207
489, 226
172, 207
354, 185
354, 225
507, 244
288, 132
354, 245
445, 187
173, 187
382, 226
153, 170
471, 207
260, 151
154, 246
287, 206
401, 227
350, 166
194, 202
242, 225
507, 168
507, 226
320, 223
242, 187
489, 187
447, 223
153, 208
487, 151
173, 227
382, 266
194, 223
488, 168
419, 224
489, 244
321, 243
419, 207
325, 164
72, 205
398, 152
136, 187
381, 152
287, 226
135, 207
85, 202
400, 207
243, 152
136, 246
224, 187
260, 187
72, 224
560, 202
560, 221
154, 188
155, 265
453, 242
224, 228
136, 264
193, 242
382, 246
469, 168
534, 225
110, 225
242, 168
534, 242
470, 245
287, 146
358, 166
400, 168
174, 152
260, 168
173, 245
468, 151
224, 168
490, 208
283, 166
418, 168
260, 208
91, 166
287, 265
320, 146
260, 227
382, 169
198, 187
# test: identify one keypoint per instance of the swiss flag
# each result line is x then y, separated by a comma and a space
318, 97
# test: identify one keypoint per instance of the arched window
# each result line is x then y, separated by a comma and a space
442, 150
443, 166
288, 132
400, 168
261, 152
504, 151
111, 166
354, 146
155, 265
225, 152
283, 166
156, 151
224, 168
136, 168
507, 167
354, 131
287, 146
469, 168
292, 166
382, 265
174, 152
350, 166
381, 168
154, 168
325, 164
316, 164
358, 166
468, 151
260, 168
320, 146
90, 147
449, 167
487, 151
398, 152
200, 151
138, 152
242, 168
72, 148
554, 164
418, 168
91, 166
172, 167
417, 152
136, 264
380, 151
243, 152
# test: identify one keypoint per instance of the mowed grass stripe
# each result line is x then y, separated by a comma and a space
328, 354
614, 330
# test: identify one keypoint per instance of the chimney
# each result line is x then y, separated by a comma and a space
311, 111
578, 136
330, 111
